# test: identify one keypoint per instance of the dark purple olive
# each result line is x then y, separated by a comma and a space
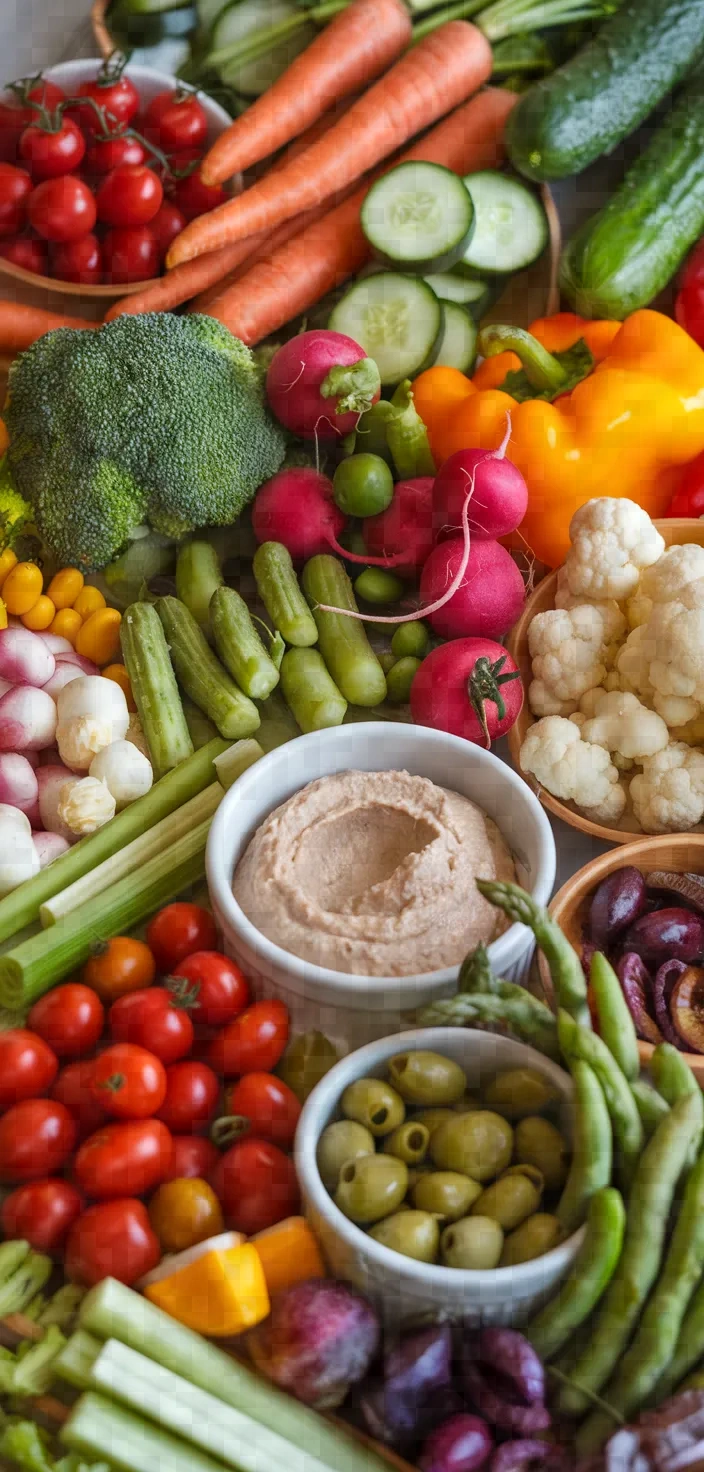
530, 1456
462, 1444
512, 1357
616, 903
504, 1379
666, 935
663, 986
637, 988
416, 1383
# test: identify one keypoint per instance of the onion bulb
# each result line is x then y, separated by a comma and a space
126, 771
27, 719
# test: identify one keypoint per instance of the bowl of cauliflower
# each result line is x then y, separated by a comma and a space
611, 651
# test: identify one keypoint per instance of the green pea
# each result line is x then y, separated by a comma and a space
475, 1242
409, 1142
537, 1142
412, 1233
411, 639
342, 1141
424, 1077
371, 1187
363, 485
537, 1235
477, 1145
519, 1092
446, 1193
376, 585
508, 1201
400, 678
373, 1103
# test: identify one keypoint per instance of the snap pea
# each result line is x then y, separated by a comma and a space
372, 431
278, 589
591, 1273
577, 1042
407, 436
616, 1025
591, 1147
522, 1016
343, 642
239, 645
651, 1106
673, 1078
566, 972
659, 1170
310, 691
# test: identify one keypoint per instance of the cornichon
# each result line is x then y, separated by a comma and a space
239, 646
202, 675
198, 575
146, 655
278, 589
343, 642
310, 691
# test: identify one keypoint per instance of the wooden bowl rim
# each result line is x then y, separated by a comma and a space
74, 288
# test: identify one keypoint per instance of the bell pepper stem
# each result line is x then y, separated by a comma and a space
540, 367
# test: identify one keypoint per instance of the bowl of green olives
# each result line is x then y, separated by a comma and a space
431, 1166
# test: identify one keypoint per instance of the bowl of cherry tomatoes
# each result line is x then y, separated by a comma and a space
99, 171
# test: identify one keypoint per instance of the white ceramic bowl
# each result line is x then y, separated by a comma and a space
352, 1010
403, 1289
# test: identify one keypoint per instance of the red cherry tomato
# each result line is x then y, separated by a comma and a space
255, 1040
78, 260
689, 303
112, 1240
73, 1088
117, 97
154, 1020
168, 222
689, 497
41, 1213
15, 116
192, 1092
47, 94
70, 1019
131, 254
176, 122
177, 931
36, 1139
256, 1185
26, 252
194, 1157
192, 196
219, 989
15, 190
54, 150
128, 1082
129, 195
126, 1159
62, 209
12, 122
28, 1066
270, 1106
106, 154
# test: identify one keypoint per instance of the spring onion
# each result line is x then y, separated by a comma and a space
99, 1429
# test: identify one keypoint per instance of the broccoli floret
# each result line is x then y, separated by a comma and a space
15, 514
153, 418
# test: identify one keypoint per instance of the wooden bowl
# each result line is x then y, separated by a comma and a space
675, 532
682, 852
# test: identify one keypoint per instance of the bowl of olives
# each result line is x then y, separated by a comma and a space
431, 1166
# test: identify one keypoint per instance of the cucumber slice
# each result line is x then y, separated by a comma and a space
239, 21
458, 344
419, 216
396, 319
511, 228
467, 291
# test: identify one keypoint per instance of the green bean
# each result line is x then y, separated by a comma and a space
376, 585
591, 1273
411, 639
400, 678
198, 576
659, 1170
591, 1147
689, 1348
673, 1078
566, 972
651, 1106
239, 645
520, 1016
343, 642
278, 589
577, 1042
310, 691
616, 1025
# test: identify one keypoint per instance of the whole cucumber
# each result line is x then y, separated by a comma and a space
601, 94
620, 259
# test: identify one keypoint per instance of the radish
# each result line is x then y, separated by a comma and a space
56, 643
469, 687
405, 529
25, 658
296, 508
499, 500
51, 780
86, 666
319, 383
49, 846
63, 675
490, 596
18, 782
27, 719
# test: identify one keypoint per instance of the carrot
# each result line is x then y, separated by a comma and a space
433, 77
21, 325
354, 48
290, 280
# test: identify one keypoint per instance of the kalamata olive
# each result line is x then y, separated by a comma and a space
666, 935
530, 1456
417, 1372
503, 1377
636, 984
513, 1358
687, 1008
666, 978
462, 1444
616, 903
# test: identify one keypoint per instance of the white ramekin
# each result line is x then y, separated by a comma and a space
148, 81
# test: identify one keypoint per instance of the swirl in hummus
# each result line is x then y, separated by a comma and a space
373, 873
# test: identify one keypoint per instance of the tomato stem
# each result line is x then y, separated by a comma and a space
228, 1128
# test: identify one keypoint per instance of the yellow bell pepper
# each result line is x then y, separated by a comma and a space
219, 1294
595, 408
289, 1253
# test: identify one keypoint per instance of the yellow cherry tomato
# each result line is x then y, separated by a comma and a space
41, 616
89, 601
65, 587
183, 1212
67, 623
3, 615
99, 637
118, 673
22, 587
8, 560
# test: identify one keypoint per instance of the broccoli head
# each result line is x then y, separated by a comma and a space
153, 418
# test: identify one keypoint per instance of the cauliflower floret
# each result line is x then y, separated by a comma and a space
613, 539
543, 701
672, 642
668, 796
614, 618
568, 649
665, 580
85, 805
623, 725
572, 769
633, 665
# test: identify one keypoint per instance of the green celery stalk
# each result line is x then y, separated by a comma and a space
62, 1307
236, 760
75, 1363
99, 1429
19, 1290
34, 1372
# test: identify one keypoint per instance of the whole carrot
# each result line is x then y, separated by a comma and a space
21, 325
443, 70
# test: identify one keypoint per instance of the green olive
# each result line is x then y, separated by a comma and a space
477, 1145
427, 1078
433, 1118
531, 1173
342, 1141
446, 1193
415, 1172
519, 1092
475, 1242
537, 1235
537, 1142
409, 1142
307, 1059
414, 1233
373, 1103
371, 1187
467, 1104
508, 1201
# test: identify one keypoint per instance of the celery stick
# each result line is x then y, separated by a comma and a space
21, 907
34, 1373
236, 760
62, 1308
75, 1363
99, 1429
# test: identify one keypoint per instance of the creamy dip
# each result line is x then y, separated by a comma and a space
373, 873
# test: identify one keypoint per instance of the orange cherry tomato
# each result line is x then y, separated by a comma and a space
123, 965
184, 1212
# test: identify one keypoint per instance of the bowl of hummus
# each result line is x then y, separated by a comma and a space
342, 871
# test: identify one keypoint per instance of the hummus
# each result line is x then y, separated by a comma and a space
373, 873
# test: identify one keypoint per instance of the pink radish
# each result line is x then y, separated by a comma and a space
18, 782
319, 383
296, 508
405, 529
86, 666
27, 719
63, 675
24, 658
49, 846
469, 687
34, 814
56, 643
499, 499
51, 780
489, 599
33, 757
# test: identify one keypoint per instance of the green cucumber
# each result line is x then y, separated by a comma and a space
466, 291
239, 23
600, 95
511, 228
146, 655
203, 677
198, 576
458, 344
239, 646
419, 217
396, 319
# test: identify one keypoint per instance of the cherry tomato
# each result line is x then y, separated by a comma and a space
70, 1018
218, 988
131, 254
106, 154
192, 196
78, 260
185, 1212
129, 195
73, 1088
12, 122
25, 251
176, 121
122, 965
689, 497
256, 1185
27, 1066
689, 303
62, 209
192, 1092
41, 1213
36, 1139
154, 1020
47, 94
168, 222
53, 150
114, 1239
193, 1155
15, 190
177, 931
117, 97
253, 1042
270, 1106
128, 1082
124, 1159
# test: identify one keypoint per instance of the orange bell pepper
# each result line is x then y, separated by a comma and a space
596, 409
